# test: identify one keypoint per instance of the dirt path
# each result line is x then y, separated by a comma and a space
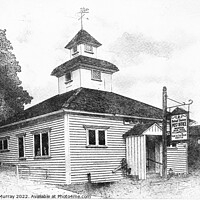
11, 188
174, 188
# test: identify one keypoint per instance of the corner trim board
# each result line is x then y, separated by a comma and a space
67, 149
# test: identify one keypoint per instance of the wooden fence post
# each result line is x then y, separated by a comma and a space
89, 184
17, 172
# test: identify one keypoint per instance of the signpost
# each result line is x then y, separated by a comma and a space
179, 126
164, 134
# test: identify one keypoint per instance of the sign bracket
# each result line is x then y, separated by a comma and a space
190, 101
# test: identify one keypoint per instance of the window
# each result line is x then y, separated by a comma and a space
92, 137
4, 144
41, 143
21, 146
88, 48
74, 50
96, 75
96, 137
68, 77
102, 140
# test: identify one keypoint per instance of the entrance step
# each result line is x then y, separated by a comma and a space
153, 175
133, 177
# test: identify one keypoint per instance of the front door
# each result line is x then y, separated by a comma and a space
154, 153
150, 154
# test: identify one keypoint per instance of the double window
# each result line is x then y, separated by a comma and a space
4, 144
41, 143
96, 136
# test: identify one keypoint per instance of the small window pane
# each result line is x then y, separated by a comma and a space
102, 138
45, 144
92, 139
5, 144
88, 48
21, 147
1, 146
74, 49
96, 75
68, 77
37, 145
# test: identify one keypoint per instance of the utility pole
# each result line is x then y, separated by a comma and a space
164, 133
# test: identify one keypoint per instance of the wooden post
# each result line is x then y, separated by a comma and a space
17, 172
164, 133
89, 184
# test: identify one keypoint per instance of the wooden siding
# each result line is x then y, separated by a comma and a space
153, 130
50, 170
136, 155
99, 162
177, 158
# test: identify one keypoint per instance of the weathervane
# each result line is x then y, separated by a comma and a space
83, 11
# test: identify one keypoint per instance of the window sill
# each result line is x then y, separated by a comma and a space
3, 151
90, 52
42, 157
67, 82
22, 158
96, 146
96, 80
73, 54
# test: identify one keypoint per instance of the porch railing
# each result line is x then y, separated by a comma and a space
22, 171
154, 161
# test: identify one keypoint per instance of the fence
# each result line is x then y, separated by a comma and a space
25, 171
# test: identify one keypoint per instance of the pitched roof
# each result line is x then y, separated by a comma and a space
90, 100
178, 110
83, 37
84, 61
138, 129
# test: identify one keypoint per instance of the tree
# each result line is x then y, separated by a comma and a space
12, 95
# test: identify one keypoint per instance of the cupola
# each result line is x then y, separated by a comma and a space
84, 69
83, 44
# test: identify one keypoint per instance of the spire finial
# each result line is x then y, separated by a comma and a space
83, 11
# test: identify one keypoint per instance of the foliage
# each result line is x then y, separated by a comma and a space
12, 95
193, 153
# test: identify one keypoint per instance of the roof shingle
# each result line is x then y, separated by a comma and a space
83, 37
138, 129
90, 100
81, 61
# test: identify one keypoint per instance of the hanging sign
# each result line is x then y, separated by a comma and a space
179, 127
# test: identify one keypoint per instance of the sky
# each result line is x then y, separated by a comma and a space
154, 43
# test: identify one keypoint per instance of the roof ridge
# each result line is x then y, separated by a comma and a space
66, 104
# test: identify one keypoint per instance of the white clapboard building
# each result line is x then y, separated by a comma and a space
86, 130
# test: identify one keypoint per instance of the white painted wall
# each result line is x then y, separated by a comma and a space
65, 87
82, 78
81, 51
105, 83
